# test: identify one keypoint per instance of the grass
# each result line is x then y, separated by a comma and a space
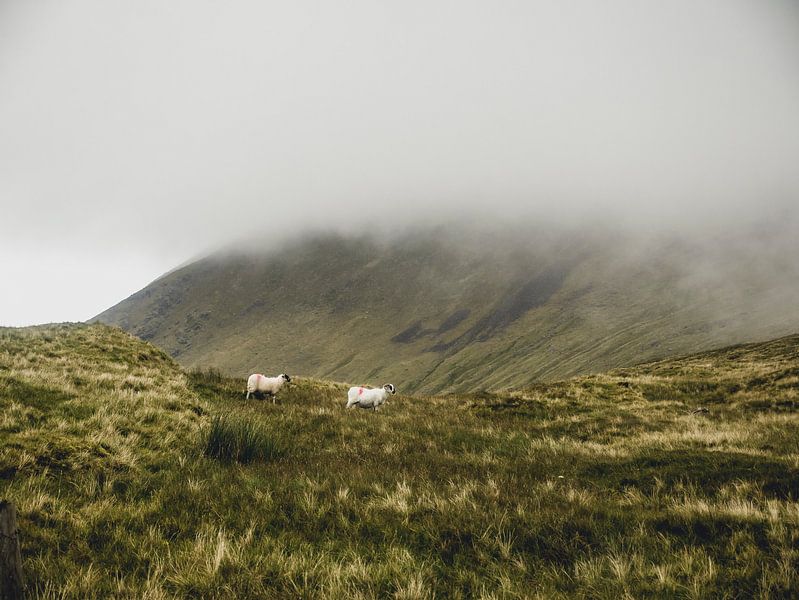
241, 440
135, 479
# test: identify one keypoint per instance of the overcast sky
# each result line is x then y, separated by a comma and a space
135, 135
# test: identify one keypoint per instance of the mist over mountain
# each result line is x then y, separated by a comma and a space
472, 305
137, 136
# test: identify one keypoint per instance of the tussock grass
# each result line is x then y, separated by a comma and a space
241, 441
134, 479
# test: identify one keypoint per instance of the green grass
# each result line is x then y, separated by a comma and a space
240, 440
606, 486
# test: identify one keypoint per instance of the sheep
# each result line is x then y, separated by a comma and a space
258, 383
369, 398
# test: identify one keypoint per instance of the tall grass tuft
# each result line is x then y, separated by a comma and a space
242, 441
209, 375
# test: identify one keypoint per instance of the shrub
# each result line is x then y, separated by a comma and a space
241, 441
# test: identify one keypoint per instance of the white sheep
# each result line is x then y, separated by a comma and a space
268, 385
367, 397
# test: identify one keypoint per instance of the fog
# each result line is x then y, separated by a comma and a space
134, 136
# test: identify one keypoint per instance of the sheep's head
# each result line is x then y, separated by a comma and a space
285, 377
390, 388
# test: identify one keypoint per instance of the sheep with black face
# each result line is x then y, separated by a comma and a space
261, 384
364, 397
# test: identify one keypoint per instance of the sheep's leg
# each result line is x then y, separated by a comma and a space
248, 394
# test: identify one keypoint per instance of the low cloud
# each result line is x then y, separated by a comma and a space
150, 133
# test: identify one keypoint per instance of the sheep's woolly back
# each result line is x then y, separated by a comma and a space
366, 397
267, 385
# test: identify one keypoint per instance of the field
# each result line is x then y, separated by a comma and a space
136, 479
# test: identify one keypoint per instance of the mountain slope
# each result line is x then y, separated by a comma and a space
444, 309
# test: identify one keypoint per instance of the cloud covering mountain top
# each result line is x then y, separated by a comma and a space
136, 135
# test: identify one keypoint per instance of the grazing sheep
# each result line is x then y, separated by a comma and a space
368, 398
258, 383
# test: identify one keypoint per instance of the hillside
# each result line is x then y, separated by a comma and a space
134, 478
457, 309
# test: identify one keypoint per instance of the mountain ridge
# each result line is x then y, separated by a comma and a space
454, 310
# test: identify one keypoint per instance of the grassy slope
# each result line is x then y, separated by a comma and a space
533, 307
598, 486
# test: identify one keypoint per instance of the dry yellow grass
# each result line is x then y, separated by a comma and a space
606, 486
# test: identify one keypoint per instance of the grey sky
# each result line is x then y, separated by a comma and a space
134, 135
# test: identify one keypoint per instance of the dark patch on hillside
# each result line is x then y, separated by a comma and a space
444, 346
534, 293
513, 306
452, 321
408, 335
416, 331
257, 305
